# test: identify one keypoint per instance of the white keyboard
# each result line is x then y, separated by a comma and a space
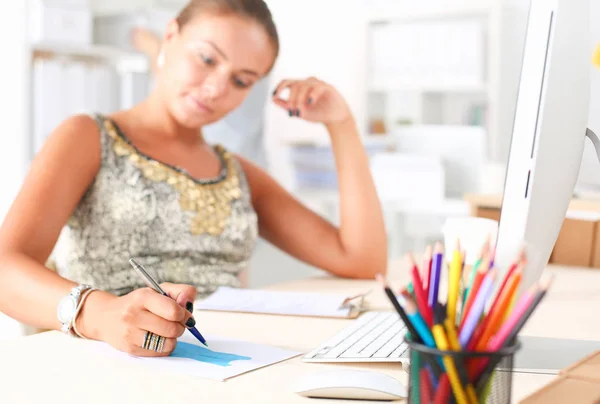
373, 337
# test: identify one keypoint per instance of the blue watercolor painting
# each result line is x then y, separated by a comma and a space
201, 354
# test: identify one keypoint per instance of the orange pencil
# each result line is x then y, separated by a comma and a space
493, 321
479, 276
522, 260
520, 263
420, 296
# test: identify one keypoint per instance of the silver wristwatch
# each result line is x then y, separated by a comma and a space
67, 307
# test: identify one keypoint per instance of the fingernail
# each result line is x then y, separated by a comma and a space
291, 112
190, 323
310, 101
189, 307
297, 112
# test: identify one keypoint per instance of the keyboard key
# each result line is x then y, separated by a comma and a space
392, 344
357, 341
399, 351
373, 336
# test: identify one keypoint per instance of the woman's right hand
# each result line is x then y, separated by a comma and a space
123, 321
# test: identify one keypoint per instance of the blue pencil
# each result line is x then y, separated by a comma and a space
410, 308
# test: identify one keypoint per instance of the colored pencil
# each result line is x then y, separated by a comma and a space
426, 387
493, 257
454, 282
436, 272
392, 298
520, 262
482, 256
427, 270
493, 320
405, 300
420, 296
539, 295
441, 341
455, 346
420, 326
517, 320
499, 340
442, 395
479, 340
479, 277
478, 306
435, 367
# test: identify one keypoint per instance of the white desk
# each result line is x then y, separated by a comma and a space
51, 367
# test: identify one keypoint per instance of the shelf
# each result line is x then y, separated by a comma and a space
123, 60
436, 12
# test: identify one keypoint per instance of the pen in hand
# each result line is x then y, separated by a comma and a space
155, 286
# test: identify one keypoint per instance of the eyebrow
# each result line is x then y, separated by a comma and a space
225, 57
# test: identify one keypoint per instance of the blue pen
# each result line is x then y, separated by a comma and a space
154, 285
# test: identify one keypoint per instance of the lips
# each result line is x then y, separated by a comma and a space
199, 105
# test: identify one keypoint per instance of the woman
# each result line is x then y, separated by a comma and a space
142, 183
241, 130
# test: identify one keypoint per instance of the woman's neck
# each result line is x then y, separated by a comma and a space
155, 116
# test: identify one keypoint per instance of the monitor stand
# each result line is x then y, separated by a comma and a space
595, 141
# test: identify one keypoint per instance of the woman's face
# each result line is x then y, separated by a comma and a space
210, 66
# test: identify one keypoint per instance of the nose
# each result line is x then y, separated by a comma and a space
215, 85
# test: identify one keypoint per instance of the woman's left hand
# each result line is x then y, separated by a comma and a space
313, 100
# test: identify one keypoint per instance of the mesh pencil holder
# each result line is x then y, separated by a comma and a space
448, 377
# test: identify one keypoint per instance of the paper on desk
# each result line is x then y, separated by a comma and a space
225, 358
277, 302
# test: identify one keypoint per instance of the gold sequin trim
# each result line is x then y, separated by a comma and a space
211, 202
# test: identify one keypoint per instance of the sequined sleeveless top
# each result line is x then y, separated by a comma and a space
183, 230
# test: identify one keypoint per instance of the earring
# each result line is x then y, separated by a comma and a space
160, 60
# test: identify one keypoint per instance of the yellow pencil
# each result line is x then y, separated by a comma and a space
439, 335
455, 346
596, 57
454, 282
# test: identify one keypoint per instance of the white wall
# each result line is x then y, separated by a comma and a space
316, 40
13, 104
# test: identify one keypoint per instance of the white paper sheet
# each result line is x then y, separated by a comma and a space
241, 357
275, 302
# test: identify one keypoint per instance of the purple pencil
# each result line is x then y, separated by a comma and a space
436, 270
477, 308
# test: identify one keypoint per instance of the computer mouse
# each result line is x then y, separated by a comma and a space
351, 384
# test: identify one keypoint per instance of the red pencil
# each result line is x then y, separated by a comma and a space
421, 298
476, 338
426, 386
494, 318
428, 260
479, 276
442, 395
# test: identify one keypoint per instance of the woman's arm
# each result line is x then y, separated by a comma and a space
30, 292
356, 249
57, 179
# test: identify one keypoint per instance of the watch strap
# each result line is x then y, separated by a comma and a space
76, 293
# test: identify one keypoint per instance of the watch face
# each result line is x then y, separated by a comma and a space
66, 309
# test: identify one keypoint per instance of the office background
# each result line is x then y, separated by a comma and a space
433, 86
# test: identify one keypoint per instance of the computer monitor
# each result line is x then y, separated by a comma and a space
549, 131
